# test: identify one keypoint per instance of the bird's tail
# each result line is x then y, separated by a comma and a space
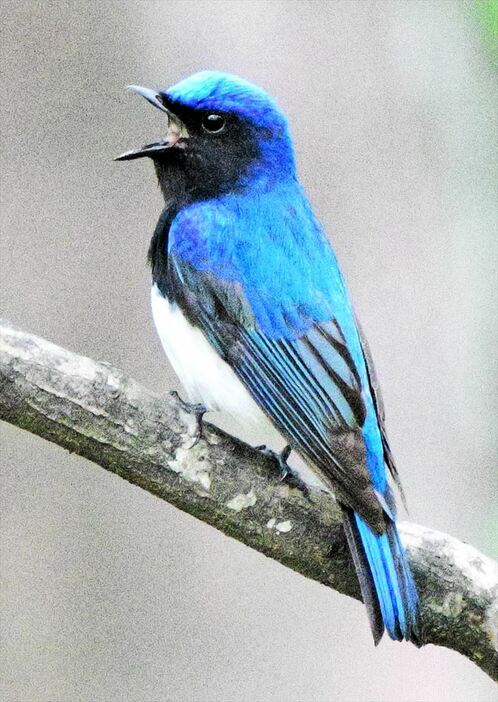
386, 582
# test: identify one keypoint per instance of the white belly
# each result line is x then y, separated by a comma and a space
210, 380
203, 374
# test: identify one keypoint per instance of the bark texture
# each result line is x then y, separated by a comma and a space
96, 411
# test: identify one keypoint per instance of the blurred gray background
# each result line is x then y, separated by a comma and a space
107, 593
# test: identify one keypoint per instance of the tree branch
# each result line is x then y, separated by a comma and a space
96, 411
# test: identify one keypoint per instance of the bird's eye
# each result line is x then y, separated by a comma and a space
213, 124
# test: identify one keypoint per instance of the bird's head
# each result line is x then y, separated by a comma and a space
224, 134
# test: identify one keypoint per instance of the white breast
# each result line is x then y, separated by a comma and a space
204, 375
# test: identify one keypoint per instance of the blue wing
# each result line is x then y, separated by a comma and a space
300, 358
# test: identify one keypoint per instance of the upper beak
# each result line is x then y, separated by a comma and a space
176, 128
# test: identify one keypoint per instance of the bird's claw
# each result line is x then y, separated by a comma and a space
286, 473
198, 410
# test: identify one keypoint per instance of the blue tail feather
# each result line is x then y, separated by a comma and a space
385, 579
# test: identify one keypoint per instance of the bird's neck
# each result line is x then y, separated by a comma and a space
274, 168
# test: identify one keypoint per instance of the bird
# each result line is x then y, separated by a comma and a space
253, 312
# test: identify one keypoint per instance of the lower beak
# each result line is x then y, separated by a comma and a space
176, 135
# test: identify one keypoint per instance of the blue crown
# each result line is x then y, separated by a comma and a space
222, 92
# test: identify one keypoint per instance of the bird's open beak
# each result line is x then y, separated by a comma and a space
176, 135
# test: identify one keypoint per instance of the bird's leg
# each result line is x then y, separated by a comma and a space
198, 410
285, 472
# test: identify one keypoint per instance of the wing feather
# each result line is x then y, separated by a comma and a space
309, 387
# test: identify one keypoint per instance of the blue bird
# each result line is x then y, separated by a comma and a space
253, 313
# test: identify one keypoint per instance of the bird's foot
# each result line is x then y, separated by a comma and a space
197, 410
285, 472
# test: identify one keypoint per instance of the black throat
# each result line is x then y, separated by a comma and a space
173, 181
158, 249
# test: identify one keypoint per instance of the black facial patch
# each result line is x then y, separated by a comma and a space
212, 163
